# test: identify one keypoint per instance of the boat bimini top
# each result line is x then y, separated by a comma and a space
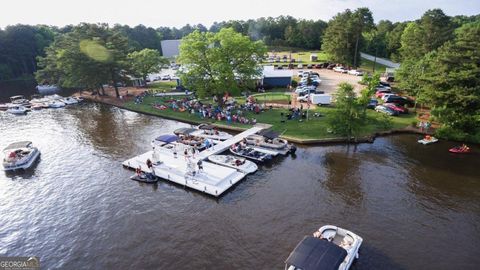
313, 253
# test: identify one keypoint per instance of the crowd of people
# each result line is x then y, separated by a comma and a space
232, 112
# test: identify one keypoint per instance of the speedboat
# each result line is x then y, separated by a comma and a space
250, 153
238, 163
330, 247
19, 100
428, 140
460, 150
210, 132
275, 143
17, 109
19, 155
56, 104
4, 106
69, 101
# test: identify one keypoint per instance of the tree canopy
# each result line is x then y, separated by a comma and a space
214, 63
449, 79
146, 61
343, 37
88, 56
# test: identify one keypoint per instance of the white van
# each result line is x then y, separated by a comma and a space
321, 99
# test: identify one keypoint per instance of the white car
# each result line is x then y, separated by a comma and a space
166, 77
385, 96
300, 66
340, 69
355, 72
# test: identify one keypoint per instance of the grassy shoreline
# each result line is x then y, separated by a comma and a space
314, 130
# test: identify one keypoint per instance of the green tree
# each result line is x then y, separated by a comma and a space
425, 35
343, 37
88, 56
215, 63
348, 117
146, 61
451, 80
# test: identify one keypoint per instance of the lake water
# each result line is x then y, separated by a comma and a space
416, 207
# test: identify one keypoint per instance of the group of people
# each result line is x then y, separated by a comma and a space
424, 126
230, 112
237, 147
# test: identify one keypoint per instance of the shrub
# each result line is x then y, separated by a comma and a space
414, 123
294, 83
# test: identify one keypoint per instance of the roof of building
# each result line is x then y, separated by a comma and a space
313, 253
271, 72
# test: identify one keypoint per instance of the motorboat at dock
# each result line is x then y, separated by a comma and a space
17, 109
238, 163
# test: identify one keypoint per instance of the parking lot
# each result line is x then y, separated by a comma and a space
331, 80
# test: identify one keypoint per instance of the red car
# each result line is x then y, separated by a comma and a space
380, 93
395, 107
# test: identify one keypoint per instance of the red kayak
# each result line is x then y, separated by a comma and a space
459, 150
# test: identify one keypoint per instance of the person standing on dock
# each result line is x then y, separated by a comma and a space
200, 165
175, 151
185, 153
149, 164
193, 152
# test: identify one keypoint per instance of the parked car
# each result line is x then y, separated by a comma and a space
300, 66
309, 66
384, 84
396, 107
340, 69
280, 67
386, 110
380, 93
166, 77
402, 101
372, 103
355, 72
331, 66
387, 95
319, 66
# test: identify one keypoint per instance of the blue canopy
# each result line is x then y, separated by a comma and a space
168, 138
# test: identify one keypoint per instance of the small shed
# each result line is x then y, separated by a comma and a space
276, 78
313, 57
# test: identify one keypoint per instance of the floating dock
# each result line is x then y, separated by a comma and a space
213, 179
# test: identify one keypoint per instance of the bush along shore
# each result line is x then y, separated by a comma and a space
270, 108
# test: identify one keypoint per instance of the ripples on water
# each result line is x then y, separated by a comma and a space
414, 206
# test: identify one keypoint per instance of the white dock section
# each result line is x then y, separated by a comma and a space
213, 180
222, 146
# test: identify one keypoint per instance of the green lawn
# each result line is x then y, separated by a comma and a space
304, 56
314, 128
160, 86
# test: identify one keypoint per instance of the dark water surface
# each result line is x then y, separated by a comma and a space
417, 207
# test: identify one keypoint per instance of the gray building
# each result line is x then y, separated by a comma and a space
170, 48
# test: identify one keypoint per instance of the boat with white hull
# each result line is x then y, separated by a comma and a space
19, 155
70, 101
330, 247
250, 153
17, 109
56, 104
238, 163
